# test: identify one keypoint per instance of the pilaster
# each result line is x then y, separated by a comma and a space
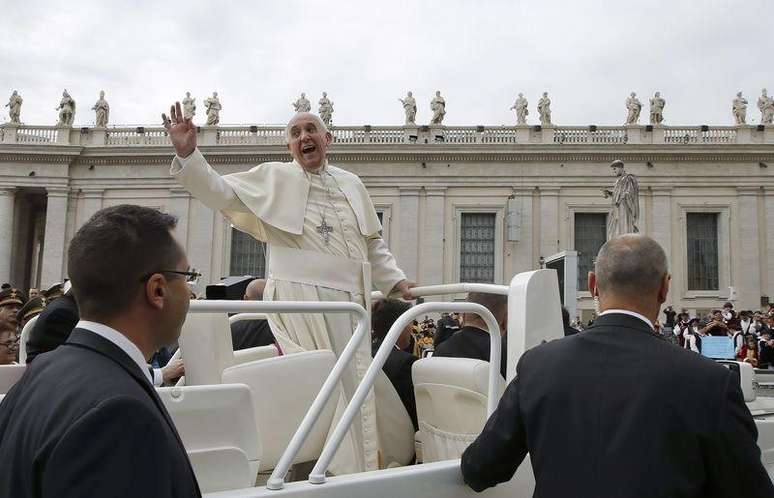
54, 238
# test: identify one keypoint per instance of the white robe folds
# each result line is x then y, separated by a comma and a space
280, 204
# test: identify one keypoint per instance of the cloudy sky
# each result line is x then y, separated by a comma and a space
259, 55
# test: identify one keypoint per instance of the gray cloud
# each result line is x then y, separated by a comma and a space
260, 55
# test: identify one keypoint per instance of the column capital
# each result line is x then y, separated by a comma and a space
179, 192
57, 191
409, 191
751, 190
433, 191
8, 191
92, 192
661, 190
549, 191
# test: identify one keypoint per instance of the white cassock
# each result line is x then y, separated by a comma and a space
282, 205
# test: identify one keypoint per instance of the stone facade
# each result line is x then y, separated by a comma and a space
422, 180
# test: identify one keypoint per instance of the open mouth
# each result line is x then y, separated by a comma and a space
306, 149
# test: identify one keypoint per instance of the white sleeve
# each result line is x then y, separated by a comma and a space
384, 269
197, 176
158, 377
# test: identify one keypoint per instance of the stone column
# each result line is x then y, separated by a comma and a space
408, 231
91, 202
521, 258
661, 220
201, 238
768, 241
178, 206
54, 238
747, 262
432, 248
9, 133
549, 221
7, 197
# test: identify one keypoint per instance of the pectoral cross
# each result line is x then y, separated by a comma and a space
325, 231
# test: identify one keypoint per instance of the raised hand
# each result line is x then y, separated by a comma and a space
181, 131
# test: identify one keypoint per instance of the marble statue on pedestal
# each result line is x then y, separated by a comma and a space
213, 109
766, 106
410, 108
14, 107
438, 105
634, 106
626, 204
189, 106
326, 109
66, 110
521, 110
739, 109
657, 104
103, 111
302, 104
544, 109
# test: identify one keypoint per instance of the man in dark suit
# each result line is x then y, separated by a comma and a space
472, 340
252, 333
568, 329
633, 416
85, 420
447, 326
53, 326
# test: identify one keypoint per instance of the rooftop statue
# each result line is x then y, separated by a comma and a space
544, 109
302, 104
189, 106
657, 104
739, 109
521, 110
213, 109
14, 105
326, 110
766, 106
66, 110
634, 106
410, 108
103, 111
625, 200
438, 105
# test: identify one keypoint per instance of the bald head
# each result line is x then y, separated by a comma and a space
254, 290
630, 266
301, 117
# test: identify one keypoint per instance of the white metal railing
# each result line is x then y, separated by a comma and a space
277, 479
317, 476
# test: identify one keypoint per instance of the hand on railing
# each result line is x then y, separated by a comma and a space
181, 131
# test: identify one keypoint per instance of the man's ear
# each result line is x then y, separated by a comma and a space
663, 289
156, 291
328, 138
592, 282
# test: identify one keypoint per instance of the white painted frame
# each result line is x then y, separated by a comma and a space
499, 211
723, 212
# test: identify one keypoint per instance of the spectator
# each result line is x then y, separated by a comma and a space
693, 335
252, 333
9, 343
53, 325
398, 365
670, 317
30, 310
472, 341
766, 350
716, 325
447, 326
12, 300
568, 329
749, 351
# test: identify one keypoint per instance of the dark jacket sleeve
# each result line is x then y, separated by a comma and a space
733, 458
501, 447
116, 449
51, 331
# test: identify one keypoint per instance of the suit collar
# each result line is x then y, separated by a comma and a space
622, 320
95, 342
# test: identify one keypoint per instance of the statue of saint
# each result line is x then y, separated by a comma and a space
302, 104
326, 110
521, 110
66, 110
634, 106
657, 104
103, 111
189, 106
438, 105
626, 205
213, 109
14, 107
544, 110
410, 108
766, 106
739, 109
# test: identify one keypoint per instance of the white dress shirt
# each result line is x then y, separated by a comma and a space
630, 313
126, 346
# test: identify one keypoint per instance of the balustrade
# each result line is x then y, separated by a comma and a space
37, 134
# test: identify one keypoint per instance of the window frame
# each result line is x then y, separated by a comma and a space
499, 212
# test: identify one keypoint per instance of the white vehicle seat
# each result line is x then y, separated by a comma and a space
10, 375
217, 426
451, 395
25, 335
283, 389
766, 444
393, 425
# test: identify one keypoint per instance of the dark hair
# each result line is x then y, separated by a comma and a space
384, 313
113, 251
565, 317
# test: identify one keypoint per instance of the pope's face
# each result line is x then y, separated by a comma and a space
308, 141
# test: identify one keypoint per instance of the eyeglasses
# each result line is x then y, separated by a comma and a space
191, 275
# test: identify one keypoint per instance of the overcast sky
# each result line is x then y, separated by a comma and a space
259, 55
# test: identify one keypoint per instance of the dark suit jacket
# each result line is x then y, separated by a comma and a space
251, 334
398, 370
633, 416
447, 326
53, 326
469, 342
63, 434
